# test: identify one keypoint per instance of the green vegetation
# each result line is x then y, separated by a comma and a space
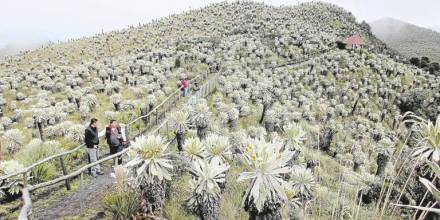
329, 137
122, 202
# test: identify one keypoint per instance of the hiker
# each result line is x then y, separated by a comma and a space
184, 85
192, 101
91, 139
195, 87
114, 138
124, 133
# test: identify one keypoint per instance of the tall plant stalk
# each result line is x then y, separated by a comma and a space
424, 196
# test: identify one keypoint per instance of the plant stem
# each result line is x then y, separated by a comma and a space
380, 195
400, 171
424, 196
391, 187
404, 186
387, 198
423, 216
358, 207
339, 189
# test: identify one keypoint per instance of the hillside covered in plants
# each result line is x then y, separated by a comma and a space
409, 40
296, 128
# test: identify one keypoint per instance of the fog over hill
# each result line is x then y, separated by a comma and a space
410, 40
15, 48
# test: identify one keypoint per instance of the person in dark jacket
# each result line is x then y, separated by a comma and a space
114, 138
92, 140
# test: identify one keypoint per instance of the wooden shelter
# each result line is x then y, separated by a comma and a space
354, 41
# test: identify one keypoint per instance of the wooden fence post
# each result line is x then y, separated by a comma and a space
170, 102
63, 166
139, 127
25, 179
27, 204
0, 148
81, 185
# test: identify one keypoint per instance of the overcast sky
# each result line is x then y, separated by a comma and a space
29, 21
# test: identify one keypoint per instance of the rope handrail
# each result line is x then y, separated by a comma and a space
53, 157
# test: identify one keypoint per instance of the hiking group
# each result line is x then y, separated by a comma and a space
116, 136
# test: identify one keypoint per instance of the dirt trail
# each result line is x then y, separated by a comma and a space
84, 203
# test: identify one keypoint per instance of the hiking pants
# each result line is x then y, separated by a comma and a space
93, 154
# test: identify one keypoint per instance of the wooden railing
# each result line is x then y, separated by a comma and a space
207, 88
135, 125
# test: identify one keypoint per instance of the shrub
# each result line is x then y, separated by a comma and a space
36, 150
415, 61
208, 178
75, 133
122, 201
433, 68
412, 101
424, 62
10, 186
15, 139
428, 139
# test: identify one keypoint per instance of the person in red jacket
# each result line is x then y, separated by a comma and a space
184, 85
